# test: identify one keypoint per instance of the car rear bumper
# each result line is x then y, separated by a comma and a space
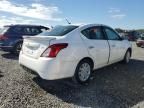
48, 68
5, 47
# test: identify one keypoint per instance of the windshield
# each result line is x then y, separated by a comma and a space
3, 30
59, 31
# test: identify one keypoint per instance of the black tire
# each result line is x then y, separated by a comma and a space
138, 45
77, 78
127, 57
17, 48
142, 46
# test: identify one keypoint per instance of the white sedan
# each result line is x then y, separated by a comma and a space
73, 51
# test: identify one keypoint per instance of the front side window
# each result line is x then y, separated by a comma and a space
111, 34
35, 30
93, 33
27, 30
59, 31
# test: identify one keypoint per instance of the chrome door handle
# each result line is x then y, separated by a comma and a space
91, 47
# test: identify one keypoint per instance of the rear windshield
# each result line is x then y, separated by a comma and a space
3, 30
59, 31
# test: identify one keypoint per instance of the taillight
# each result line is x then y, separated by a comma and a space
2, 37
54, 49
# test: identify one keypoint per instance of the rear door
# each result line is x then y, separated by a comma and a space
96, 44
116, 44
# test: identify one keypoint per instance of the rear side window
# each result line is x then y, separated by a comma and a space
4, 29
31, 30
26, 30
17, 30
59, 31
93, 33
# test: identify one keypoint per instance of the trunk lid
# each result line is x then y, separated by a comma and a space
34, 46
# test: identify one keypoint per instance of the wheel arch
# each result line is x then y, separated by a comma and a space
89, 59
130, 50
16, 42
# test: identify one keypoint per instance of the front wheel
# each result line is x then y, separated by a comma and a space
83, 72
127, 57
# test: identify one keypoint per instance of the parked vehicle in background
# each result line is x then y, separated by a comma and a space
11, 36
73, 51
132, 35
142, 34
140, 42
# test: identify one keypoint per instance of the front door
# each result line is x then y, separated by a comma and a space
117, 48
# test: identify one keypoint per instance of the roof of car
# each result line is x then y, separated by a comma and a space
81, 25
89, 25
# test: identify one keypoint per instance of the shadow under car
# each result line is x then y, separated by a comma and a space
115, 86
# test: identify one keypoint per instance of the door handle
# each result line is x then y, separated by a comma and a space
91, 47
113, 45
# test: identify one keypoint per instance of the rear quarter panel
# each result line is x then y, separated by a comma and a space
75, 50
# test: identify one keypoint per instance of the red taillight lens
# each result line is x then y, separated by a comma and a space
53, 50
2, 37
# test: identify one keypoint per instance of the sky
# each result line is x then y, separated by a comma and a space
125, 14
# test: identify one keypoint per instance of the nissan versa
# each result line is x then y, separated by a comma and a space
73, 51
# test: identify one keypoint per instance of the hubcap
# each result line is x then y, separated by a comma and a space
127, 57
84, 71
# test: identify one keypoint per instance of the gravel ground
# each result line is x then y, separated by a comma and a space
115, 86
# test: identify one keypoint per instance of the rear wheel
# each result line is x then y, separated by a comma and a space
17, 48
83, 72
